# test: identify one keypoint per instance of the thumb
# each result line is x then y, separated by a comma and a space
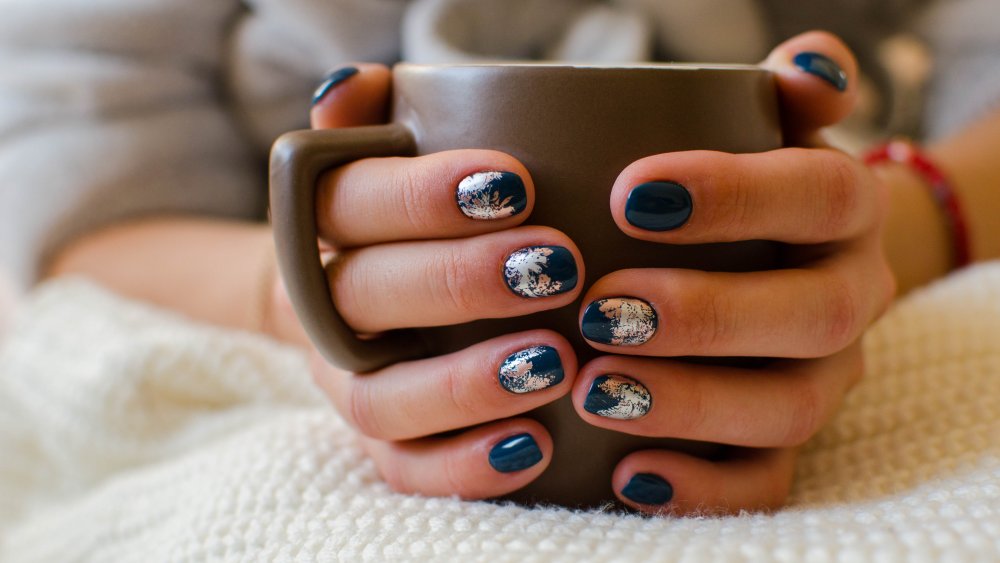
352, 96
817, 78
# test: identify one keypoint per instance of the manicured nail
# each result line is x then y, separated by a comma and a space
618, 397
530, 370
822, 66
491, 195
515, 453
619, 321
647, 488
658, 206
332, 80
540, 271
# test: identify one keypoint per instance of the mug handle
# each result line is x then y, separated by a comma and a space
297, 161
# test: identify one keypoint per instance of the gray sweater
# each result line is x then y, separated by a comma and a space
112, 109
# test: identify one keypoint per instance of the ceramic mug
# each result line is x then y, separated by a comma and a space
575, 128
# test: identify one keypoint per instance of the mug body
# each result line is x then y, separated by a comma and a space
576, 128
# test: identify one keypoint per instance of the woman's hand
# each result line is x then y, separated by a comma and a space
833, 282
415, 244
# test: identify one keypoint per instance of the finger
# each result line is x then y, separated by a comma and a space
495, 379
484, 462
434, 283
780, 405
664, 482
792, 195
792, 313
352, 96
817, 77
443, 195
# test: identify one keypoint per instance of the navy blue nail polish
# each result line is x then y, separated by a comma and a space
331, 81
647, 488
822, 66
618, 397
619, 321
491, 195
515, 453
540, 271
533, 369
658, 206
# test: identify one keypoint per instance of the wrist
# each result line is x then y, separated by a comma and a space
916, 237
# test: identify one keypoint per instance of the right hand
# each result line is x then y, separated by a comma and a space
406, 255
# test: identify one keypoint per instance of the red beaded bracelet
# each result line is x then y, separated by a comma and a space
905, 152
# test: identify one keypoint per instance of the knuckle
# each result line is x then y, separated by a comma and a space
840, 194
806, 412
709, 321
417, 210
345, 277
363, 411
461, 400
840, 312
740, 208
456, 289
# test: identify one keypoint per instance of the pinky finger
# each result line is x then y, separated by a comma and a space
666, 482
488, 461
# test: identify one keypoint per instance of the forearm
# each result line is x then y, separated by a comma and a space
917, 239
220, 272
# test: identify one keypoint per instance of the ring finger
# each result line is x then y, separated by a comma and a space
491, 380
775, 406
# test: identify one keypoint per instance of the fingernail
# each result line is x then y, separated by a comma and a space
647, 488
332, 80
658, 206
491, 195
515, 453
822, 66
618, 397
530, 370
619, 321
540, 271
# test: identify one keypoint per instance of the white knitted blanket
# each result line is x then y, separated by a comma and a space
127, 434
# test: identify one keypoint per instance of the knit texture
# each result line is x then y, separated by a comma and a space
128, 434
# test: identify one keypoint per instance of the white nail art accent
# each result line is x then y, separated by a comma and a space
633, 321
478, 198
525, 275
518, 373
632, 399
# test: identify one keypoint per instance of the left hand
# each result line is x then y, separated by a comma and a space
829, 209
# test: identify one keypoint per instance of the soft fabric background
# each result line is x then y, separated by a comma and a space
128, 434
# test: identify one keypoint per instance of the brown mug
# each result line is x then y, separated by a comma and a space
575, 128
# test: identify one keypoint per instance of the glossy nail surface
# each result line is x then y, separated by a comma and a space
532, 369
619, 321
540, 271
822, 66
515, 454
331, 81
491, 195
618, 397
658, 206
647, 488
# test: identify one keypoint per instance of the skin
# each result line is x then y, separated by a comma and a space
855, 234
